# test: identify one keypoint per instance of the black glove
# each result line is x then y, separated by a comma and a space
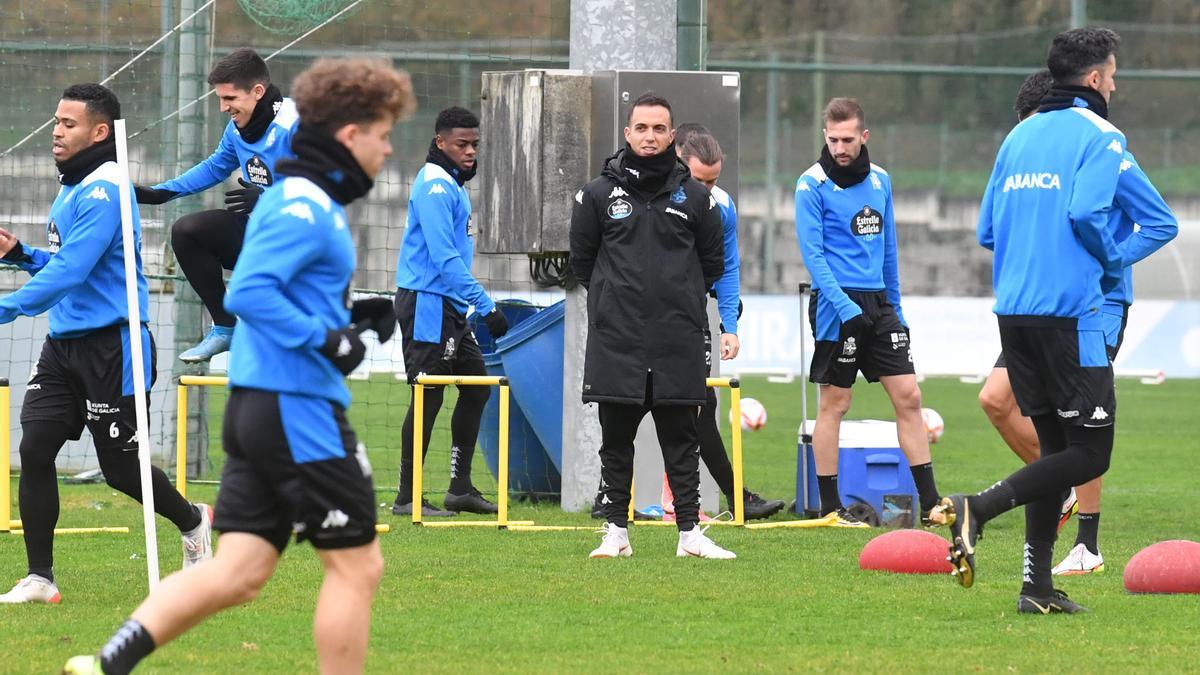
243, 201
497, 325
149, 195
375, 314
858, 324
17, 254
344, 348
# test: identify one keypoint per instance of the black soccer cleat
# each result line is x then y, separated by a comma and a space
964, 532
1057, 603
472, 502
756, 508
427, 510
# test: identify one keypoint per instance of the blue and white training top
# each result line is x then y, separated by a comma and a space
438, 245
291, 285
1045, 213
848, 238
256, 160
1137, 201
80, 276
728, 287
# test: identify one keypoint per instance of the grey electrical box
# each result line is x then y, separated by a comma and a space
709, 98
536, 138
547, 132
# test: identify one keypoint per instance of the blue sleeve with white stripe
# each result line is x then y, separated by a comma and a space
435, 211
96, 222
728, 287
208, 173
1095, 185
1138, 198
810, 233
891, 263
279, 243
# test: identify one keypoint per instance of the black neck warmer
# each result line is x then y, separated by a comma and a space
436, 156
648, 175
75, 169
1064, 96
263, 115
846, 176
326, 162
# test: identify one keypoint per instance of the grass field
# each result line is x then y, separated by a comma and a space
457, 600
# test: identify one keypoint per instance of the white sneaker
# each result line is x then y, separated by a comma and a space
1070, 507
694, 544
615, 543
1079, 561
33, 588
197, 544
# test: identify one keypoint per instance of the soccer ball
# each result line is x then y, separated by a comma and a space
934, 426
754, 415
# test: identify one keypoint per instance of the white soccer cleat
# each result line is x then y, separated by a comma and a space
1070, 507
615, 543
33, 588
693, 544
1079, 561
197, 544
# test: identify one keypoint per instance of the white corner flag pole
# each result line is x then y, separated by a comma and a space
135, 345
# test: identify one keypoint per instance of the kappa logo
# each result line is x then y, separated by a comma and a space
1115, 146
339, 223
635, 172
579, 197
276, 106
335, 518
674, 212
679, 196
344, 347
1025, 181
875, 182
802, 187
619, 209
712, 202
1099, 414
437, 189
849, 347
299, 210
616, 192
271, 138
99, 192
1125, 165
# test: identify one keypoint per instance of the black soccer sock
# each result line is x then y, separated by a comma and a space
828, 487
433, 404
205, 243
126, 648
1089, 531
38, 492
122, 472
464, 432
992, 502
926, 485
1036, 579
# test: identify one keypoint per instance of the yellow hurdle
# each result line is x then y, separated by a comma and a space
181, 407
502, 522
6, 522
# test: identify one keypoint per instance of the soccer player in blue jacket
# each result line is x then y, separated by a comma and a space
294, 464
259, 135
1046, 215
847, 232
699, 149
84, 374
1136, 201
434, 290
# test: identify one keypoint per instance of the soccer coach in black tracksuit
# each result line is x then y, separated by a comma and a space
646, 243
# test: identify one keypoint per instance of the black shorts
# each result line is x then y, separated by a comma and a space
435, 336
1056, 367
880, 351
293, 464
1114, 333
88, 381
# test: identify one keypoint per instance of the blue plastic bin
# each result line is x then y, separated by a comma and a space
870, 465
529, 468
532, 353
516, 311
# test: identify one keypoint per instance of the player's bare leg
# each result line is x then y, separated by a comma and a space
914, 442
1000, 405
342, 623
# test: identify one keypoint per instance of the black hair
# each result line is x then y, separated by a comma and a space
101, 103
243, 68
455, 118
648, 99
1032, 91
1075, 52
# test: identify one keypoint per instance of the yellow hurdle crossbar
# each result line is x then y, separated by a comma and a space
6, 522
418, 488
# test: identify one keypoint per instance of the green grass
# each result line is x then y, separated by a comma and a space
454, 600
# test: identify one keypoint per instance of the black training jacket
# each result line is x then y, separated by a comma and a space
647, 265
